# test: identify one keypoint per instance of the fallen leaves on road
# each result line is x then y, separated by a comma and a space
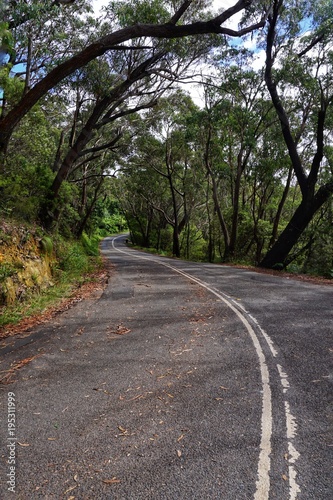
120, 330
114, 480
71, 489
8, 374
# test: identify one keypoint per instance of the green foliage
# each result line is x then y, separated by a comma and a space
11, 87
6, 271
26, 175
71, 258
69, 270
46, 245
318, 258
90, 245
6, 41
107, 218
173, 157
143, 11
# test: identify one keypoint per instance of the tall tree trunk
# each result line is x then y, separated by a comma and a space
27, 83
150, 214
57, 159
235, 203
84, 193
175, 242
280, 208
277, 256
217, 206
90, 208
175, 236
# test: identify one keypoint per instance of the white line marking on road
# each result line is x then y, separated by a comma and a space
283, 378
263, 481
291, 422
293, 454
266, 336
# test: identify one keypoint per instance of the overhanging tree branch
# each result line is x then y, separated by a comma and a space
126, 112
109, 145
112, 41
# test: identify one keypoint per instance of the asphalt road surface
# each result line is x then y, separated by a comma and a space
181, 381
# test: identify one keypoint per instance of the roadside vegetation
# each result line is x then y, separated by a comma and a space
98, 138
40, 272
67, 266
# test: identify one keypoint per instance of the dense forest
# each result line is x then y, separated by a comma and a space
101, 127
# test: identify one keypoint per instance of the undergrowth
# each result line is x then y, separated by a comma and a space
74, 264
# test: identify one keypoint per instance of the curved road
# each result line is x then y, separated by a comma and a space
183, 380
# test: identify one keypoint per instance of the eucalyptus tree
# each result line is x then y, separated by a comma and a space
235, 118
118, 85
162, 152
301, 67
42, 35
138, 189
183, 20
102, 114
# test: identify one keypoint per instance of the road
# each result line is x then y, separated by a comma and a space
181, 381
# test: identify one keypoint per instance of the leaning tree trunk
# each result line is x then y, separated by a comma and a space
277, 256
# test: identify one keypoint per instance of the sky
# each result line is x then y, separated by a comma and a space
233, 24
217, 4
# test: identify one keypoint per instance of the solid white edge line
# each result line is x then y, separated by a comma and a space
263, 481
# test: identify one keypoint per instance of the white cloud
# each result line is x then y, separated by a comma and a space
259, 60
98, 4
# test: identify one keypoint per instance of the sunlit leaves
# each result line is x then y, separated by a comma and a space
143, 11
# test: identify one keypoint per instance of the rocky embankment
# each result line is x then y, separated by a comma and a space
26, 259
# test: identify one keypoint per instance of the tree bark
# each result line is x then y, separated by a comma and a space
311, 202
280, 208
277, 256
217, 207
90, 209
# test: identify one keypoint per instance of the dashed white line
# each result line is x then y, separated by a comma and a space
263, 481
283, 378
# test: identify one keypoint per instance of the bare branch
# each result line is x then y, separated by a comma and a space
108, 145
126, 112
311, 45
183, 8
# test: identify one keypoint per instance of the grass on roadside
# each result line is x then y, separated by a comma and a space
76, 263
